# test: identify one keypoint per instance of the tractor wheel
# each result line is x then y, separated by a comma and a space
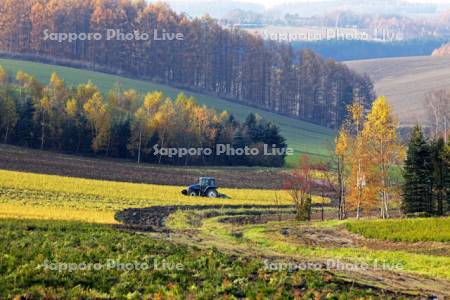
212, 193
193, 193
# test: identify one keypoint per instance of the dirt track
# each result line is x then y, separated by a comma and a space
400, 283
152, 218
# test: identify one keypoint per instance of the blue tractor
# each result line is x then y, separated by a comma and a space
206, 187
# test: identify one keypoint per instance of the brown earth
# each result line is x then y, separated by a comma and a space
340, 237
43, 162
152, 218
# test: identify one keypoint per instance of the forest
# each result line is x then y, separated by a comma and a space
229, 63
125, 124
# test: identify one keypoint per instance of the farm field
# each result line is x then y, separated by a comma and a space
405, 81
68, 221
302, 136
28, 195
43, 162
38, 249
75, 220
415, 268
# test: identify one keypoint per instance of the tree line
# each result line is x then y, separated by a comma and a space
125, 124
230, 63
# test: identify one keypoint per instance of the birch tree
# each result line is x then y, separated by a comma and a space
383, 148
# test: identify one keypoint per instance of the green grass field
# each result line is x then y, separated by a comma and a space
73, 260
302, 136
404, 230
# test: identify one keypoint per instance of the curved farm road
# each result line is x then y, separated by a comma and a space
235, 220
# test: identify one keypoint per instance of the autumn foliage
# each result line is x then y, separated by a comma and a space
125, 124
368, 151
299, 184
227, 62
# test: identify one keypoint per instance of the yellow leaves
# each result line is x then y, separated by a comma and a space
95, 108
130, 96
44, 104
356, 111
55, 81
21, 76
371, 152
3, 76
28, 81
166, 112
203, 118
342, 143
86, 91
140, 116
145, 121
223, 116
8, 113
71, 108
100, 119
125, 102
152, 102
183, 102
380, 133
381, 124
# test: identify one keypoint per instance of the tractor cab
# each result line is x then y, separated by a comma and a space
207, 182
206, 187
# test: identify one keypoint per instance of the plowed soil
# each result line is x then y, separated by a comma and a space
43, 162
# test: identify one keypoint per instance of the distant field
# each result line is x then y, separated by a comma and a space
302, 136
405, 81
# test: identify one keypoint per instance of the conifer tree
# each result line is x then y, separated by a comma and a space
417, 191
440, 173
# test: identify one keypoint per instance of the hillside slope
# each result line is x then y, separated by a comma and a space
302, 136
405, 81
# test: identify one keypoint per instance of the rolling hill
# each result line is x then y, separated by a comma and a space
302, 136
405, 81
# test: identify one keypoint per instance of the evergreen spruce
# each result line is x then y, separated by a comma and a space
440, 173
417, 189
